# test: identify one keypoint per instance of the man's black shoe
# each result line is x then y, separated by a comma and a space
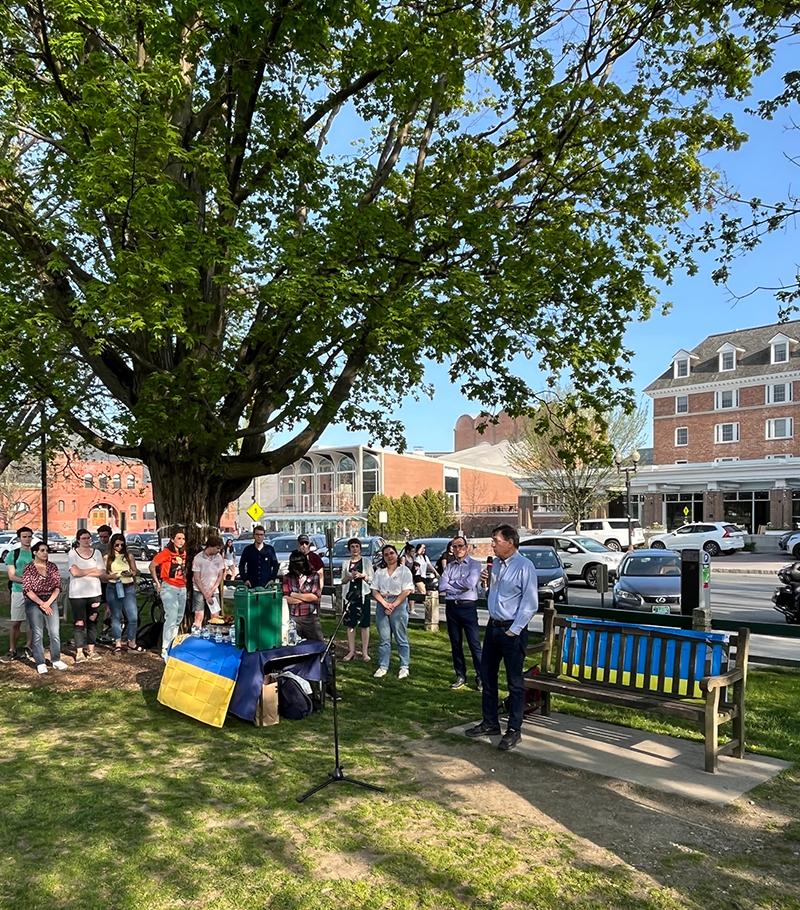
482, 729
478, 684
509, 740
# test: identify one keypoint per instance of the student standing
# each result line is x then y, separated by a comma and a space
16, 560
121, 575
168, 570
41, 585
86, 569
391, 587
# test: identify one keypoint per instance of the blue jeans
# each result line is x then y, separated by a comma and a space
510, 649
37, 621
127, 605
394, 624
462, 621
174, 601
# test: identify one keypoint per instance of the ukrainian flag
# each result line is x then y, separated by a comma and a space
199, 678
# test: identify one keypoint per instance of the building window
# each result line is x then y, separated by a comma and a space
681, 404
727, 398
779, 393
61, 505
451, 488
681, 368
74, 505
306, 481
134, 512
779, 457
780, 352
130, 482
726, 432
116, 482
88, 480
102, 481
369, 478
682, 436
682, 461
727, 361
325, 483
726, 458
779, 428
149, 511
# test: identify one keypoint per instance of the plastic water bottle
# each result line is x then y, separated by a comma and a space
292, 634
218, 636
232, 636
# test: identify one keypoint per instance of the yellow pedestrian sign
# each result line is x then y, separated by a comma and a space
255, 511
686, 511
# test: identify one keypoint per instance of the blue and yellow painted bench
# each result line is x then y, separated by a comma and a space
699, 676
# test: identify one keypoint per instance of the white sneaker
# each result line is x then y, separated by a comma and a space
381, 671
59, 665
403, 674
41, 668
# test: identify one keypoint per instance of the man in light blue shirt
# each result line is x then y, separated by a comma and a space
512, 601
459, 587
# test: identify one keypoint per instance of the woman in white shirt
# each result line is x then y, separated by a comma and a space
391, 587
86, 568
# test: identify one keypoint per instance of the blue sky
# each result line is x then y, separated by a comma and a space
699, 307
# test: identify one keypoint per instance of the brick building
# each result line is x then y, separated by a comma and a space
724, 446
86, 491
332, 487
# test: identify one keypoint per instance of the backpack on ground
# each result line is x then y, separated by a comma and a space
294, 696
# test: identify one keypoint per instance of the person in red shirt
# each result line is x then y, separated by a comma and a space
168, 569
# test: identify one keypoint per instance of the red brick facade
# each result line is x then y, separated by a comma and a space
751, 415
466, 435
405, 474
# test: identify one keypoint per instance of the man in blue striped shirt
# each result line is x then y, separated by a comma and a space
512, 601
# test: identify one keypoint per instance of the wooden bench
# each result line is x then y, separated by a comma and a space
699, 676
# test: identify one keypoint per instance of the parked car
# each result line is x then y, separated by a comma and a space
649, 581
12, 544
791, 543
142, 546
6, 536
611, 532
370, 548
714, 537
583, 553
56, 543
550, 573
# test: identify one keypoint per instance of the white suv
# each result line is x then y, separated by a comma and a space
714, 537
580, 555
612, 532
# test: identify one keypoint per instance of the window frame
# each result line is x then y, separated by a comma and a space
774, 347
722, 356
679, 398
719, 406
719, 433
681, 445
770, 425
769, 397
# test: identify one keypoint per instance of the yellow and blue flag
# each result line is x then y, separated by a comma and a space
199, 678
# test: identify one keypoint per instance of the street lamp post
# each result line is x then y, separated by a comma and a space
631, 467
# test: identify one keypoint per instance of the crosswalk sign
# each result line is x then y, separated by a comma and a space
255, 511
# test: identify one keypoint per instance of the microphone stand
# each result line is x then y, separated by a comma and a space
337, 775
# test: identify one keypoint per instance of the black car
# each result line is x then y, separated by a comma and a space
550, 574
142, 546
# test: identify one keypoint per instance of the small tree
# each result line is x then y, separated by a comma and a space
441, 512
380, 503
569, 454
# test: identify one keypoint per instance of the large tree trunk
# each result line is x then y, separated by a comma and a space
189, 493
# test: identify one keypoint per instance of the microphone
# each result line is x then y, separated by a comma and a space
489, 561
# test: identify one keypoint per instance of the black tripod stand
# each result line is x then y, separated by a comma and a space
337, 775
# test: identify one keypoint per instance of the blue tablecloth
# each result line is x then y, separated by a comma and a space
302, 659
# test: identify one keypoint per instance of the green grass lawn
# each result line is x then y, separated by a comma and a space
109, 800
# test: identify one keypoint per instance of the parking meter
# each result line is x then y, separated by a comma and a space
692, 595
601, 578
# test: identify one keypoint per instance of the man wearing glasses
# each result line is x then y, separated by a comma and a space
16, 561
458, 585
513, 599
259, 564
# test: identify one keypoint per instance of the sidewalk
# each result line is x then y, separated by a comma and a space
750, 563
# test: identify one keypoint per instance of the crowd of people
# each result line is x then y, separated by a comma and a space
105, 573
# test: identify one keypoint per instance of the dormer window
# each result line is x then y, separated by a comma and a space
681, 365
727, 354
779, 348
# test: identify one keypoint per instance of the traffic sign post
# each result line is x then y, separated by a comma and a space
255, 511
